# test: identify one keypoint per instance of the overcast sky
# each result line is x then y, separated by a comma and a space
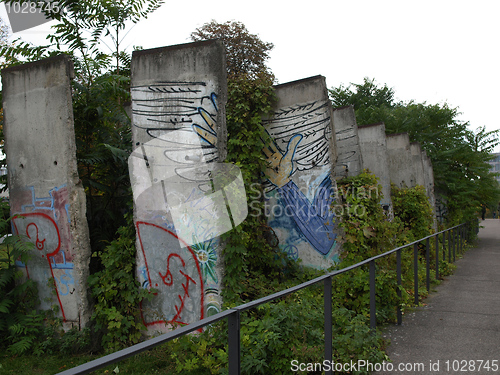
434, 51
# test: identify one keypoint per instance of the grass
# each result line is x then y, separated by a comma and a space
155, 361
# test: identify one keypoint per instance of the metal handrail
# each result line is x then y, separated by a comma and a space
456, 233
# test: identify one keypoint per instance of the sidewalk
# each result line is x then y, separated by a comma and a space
460, 321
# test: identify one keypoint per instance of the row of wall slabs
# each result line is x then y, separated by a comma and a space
185, 196
179, 133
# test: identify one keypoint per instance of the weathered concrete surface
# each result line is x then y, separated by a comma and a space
461, 320
418, 167
43, 182
400, 160
349, 157
301, 187
373, 145
178, 125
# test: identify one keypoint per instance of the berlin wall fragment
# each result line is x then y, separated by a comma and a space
349, 157
409, 165
400, 160
44, 187
184, 196
373, 145
301, 188
418, 166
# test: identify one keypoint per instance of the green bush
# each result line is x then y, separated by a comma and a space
275, 334
414, 210
117, 292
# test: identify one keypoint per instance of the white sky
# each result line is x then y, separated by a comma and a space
434, 51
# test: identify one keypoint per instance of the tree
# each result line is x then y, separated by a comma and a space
459, 156
4, 34
367, 99
246, 54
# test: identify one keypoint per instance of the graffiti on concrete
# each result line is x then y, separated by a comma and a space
165, 106
174, 272
299, 156
45, 223
307, 124
176, 125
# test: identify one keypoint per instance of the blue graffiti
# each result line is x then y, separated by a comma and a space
292, 251
316, 221
68, 281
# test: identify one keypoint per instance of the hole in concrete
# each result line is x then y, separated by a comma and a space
55, 162
22, 166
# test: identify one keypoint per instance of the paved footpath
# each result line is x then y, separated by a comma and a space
458, 330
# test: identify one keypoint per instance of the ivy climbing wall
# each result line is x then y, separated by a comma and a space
46, 194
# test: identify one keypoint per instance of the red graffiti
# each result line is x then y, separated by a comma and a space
176, 270
34, 234
38, 243
167, 279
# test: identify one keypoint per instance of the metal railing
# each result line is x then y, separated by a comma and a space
456, 236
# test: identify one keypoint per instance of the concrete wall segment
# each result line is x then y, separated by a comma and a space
373, 145
400, 160
178, 115
418, 167
43, 182
40, 105
301, 186
349, 159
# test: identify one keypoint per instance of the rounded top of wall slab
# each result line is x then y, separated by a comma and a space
303, 80
64, 58
371, 125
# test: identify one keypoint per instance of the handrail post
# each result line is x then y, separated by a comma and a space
328, 322
437, 256
454, 236
427, 266
373, 313
462, 238
398, 273
233, 340
444, 246
449, 246
415, 271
